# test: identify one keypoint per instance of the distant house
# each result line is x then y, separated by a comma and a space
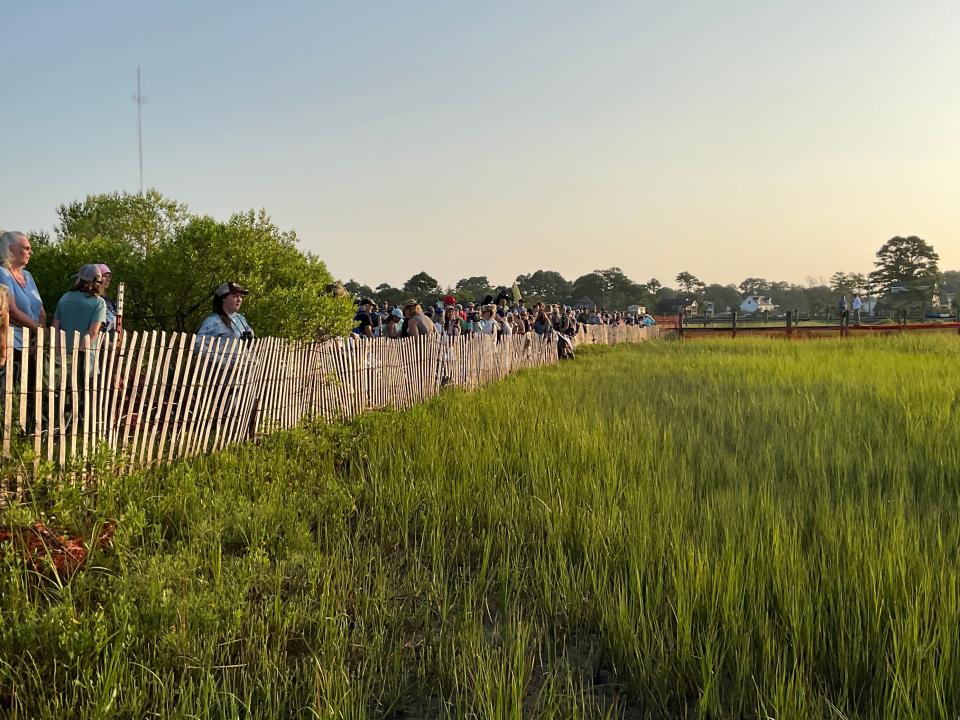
669, 306
636, 309
756, 303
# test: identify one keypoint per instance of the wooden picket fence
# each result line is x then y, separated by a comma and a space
139, 399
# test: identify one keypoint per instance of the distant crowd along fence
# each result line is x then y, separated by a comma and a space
150, 397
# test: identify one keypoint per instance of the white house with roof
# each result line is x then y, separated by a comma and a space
756, 303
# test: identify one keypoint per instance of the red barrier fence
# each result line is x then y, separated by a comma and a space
812, 331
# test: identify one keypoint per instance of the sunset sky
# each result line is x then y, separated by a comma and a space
730, 139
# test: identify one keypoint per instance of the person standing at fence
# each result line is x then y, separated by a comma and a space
226, 321
842, 311
25, 307
436, 317
504, 325
416, 323
393, 324
366, 324
81, 309
857, 307
487, 325
110, 324
452, 323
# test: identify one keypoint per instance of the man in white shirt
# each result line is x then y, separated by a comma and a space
857, 306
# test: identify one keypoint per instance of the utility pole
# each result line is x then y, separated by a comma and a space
140, 100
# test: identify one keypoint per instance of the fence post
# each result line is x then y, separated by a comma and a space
789, 323
733, 325
680, 323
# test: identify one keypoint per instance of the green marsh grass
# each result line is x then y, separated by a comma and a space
724, 529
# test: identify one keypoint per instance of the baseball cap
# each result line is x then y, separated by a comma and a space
88, 272
228, 288
104, 269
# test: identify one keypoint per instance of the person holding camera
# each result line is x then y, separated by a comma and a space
226, 321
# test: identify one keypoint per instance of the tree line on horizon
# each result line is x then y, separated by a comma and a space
171, 260
905, 271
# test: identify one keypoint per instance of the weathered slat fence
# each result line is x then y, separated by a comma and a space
140, 399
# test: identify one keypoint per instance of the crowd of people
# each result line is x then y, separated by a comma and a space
87, 309
502, 317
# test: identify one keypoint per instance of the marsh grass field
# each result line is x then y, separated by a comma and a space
745, 528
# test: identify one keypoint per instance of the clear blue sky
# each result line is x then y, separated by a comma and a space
730, 139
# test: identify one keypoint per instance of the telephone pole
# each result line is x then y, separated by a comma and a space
140, 100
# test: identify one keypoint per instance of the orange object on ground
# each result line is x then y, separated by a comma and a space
41, 547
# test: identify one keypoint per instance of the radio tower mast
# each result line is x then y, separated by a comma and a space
140, 100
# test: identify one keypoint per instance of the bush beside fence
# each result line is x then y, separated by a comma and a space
144, 398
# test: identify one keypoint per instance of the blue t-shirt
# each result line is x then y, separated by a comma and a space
77, 311
27, 300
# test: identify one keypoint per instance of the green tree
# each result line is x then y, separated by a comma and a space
593, 286
358, 290
547, 286
951, 280
820, 299
141, 221
472, 288
622, 290
171, 266
858, 283
789, 297
754, 286
422, 287
840, 282
907, 263
386, 293
689, 283
725, 298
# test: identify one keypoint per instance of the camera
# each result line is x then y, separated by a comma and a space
246, 335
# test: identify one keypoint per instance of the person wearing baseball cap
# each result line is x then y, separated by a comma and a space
81, 309
416, 323
393, 324
368, 322
226, 321
110, 324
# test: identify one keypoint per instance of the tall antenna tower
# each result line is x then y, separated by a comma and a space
140, 100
